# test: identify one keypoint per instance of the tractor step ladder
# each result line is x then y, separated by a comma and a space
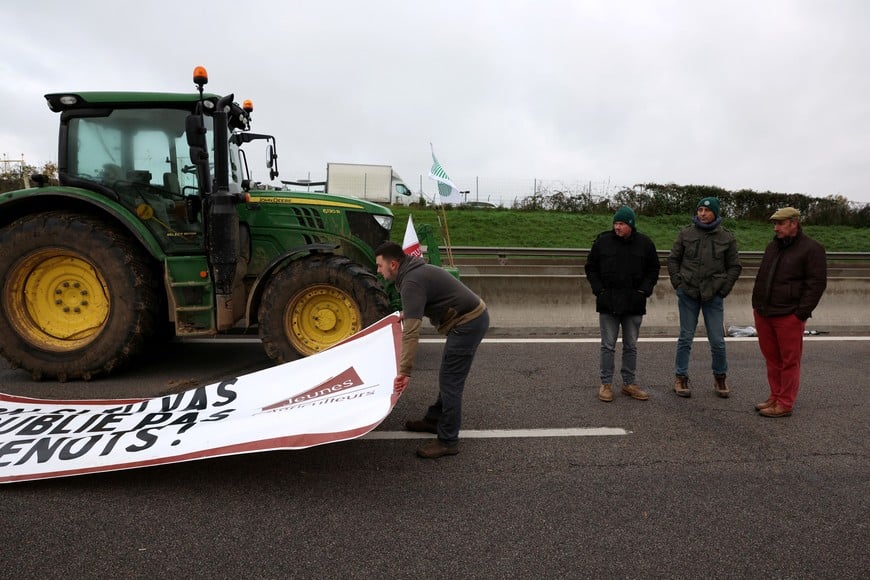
192, 295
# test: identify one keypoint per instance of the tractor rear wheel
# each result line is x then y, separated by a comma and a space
77, 296
317, 302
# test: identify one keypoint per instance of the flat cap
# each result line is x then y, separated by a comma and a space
786, 213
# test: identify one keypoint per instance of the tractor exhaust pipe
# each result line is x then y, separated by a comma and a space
222, 236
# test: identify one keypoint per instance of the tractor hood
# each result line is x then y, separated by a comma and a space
320, 200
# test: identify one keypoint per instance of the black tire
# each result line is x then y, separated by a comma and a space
316, 302
78, 299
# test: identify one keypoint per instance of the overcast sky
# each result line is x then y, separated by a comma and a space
757, 94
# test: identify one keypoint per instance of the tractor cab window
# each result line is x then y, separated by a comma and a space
142, 156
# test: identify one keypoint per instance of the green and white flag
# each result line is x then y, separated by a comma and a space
447, 190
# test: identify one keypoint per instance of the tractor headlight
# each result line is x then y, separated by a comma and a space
385, 221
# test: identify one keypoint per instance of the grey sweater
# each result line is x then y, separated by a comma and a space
432, 292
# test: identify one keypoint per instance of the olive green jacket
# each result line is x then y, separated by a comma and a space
704, 263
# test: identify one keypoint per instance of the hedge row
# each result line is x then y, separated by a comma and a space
673, 199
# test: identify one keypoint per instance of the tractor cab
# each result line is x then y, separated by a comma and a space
135, 149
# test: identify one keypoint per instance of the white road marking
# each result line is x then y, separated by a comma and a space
506, 433
807, 338
673, 339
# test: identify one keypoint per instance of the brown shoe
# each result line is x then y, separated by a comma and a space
422, 426
437, 448
634, 392
605, 393
720, 386
775, 410
768, 403
681, 386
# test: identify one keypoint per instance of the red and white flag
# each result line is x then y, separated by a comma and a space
411, 244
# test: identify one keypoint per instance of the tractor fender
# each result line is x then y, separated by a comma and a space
279, 263
17, 204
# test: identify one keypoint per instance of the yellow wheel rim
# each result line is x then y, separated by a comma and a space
56, 300
320, 316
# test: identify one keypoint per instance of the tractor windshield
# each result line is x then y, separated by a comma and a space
143, 156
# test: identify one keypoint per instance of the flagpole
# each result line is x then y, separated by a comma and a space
446, 233
444, 184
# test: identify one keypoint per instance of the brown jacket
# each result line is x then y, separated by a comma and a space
792, 277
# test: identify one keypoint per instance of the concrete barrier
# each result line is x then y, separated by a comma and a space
565, 305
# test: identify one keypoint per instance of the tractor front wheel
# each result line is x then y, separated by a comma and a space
317, 302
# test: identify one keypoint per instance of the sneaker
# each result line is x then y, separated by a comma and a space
422, 426
634, 392
720, 386
681, 386
605, 393
775, 410
437, 448
765, 404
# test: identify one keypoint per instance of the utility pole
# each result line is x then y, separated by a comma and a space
25, 179
6, 162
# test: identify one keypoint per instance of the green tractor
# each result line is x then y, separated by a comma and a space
154, 231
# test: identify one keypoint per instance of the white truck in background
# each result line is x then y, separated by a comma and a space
377, 183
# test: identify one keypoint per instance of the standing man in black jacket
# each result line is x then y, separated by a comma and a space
623, 269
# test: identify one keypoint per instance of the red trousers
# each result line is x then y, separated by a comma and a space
781, 339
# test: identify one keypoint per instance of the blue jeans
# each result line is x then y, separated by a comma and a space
462, 343
714, 313
609, 325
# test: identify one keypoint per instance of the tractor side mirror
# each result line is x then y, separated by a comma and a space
195, 129
272, 161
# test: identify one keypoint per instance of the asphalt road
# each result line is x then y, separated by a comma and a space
699, 487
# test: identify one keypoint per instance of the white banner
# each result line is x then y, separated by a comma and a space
339, 394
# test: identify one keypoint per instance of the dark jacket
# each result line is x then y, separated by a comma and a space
704, 262
622, 272
791, 278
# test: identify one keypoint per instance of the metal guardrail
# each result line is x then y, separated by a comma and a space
505, 254
542, 290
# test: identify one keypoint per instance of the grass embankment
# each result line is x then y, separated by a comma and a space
504, 228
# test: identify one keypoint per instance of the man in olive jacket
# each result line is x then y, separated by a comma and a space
790, 282
622, 268
703, 266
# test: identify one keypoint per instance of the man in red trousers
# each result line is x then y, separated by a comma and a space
790, 282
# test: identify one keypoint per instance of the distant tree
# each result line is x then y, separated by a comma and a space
50, 171
565, 198
12, 178
18, 177
673, 199
637, 198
